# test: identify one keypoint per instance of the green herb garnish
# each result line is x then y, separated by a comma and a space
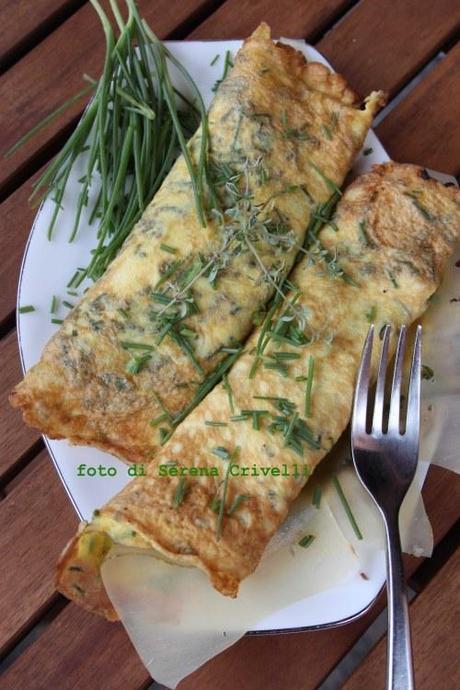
228, 389
371, 314
167, 248
427, 373
220, 517
309, 385
54, 304
26, 309
228, 64
316, 500
180, 492
306, 541
346, 507
133, 128
237, 501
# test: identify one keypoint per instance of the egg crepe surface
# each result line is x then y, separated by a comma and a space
144, 339
379, 260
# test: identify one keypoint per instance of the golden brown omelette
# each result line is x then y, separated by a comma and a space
155, 333
287, 399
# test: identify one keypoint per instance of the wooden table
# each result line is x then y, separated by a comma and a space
45, 47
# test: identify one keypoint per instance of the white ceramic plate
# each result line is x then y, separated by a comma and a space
47, 268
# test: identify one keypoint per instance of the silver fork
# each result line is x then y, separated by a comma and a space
385, 461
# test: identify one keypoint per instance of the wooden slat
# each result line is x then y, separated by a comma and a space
36, 520
237, 18
78, 651
16, 217
17, 439
423, 128
52, 72
435, 621
378, 46
307, 658
20, 25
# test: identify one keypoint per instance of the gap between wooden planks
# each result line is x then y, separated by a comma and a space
22, 28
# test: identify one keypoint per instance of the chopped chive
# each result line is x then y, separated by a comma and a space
73, 293
69, 305
57, 321
346, 507
220, 518
306, 541
215, 504
167, 248
137, 362
308, 386
427, 373
26, 309
214, 60
371, 313
364, 236
367, 151
128, 345
221, 453
212, 423
54, 304
165, 434
237, 501
290, 427
162, 418
228, 390
161, 405
206, 385
316, 500
188, 333
228, 63
75, 279
123, 313
286, 356
327, 180
180, 492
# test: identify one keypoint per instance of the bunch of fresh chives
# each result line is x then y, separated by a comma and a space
131, 131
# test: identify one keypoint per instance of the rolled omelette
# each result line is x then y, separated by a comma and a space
220, 488
151, 336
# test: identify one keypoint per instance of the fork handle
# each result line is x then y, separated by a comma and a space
400, 675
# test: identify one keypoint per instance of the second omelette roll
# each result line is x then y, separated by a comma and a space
144, 343
287, 399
